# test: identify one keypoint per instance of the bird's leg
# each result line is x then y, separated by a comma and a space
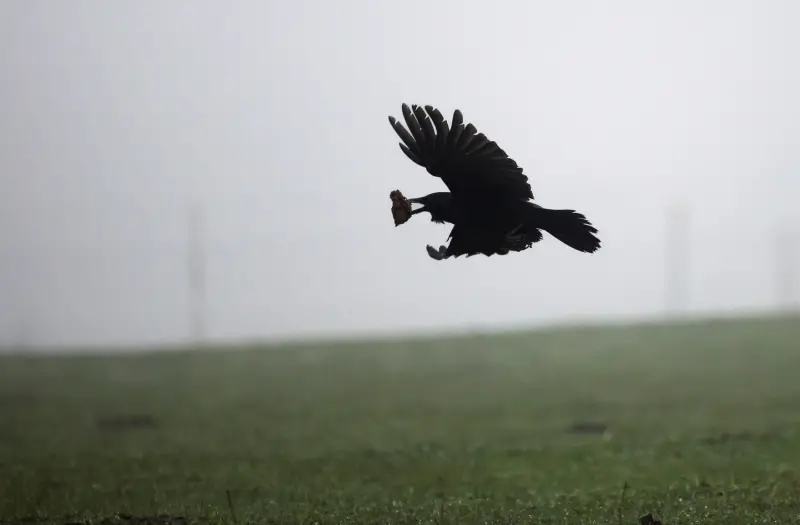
439, 254
518, 240
514, 237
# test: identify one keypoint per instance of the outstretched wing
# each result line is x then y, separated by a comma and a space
467, 162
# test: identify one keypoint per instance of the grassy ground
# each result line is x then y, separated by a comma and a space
703, 426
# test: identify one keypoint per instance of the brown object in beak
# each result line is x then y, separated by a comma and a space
401, 208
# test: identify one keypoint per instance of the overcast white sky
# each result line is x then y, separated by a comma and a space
114, 116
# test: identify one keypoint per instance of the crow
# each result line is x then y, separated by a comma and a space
489, 199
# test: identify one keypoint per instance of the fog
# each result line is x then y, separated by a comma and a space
270, 119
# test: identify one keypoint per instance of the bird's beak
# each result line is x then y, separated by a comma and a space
416, 201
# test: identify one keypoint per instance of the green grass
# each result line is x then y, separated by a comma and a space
704, 427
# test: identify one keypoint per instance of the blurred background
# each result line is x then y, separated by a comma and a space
208, 171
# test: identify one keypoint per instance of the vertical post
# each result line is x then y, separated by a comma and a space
197, 274
21, 335
677, 259
786, 261
19, 316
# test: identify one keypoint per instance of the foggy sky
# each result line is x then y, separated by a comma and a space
115, 117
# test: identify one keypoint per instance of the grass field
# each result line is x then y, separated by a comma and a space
703, 425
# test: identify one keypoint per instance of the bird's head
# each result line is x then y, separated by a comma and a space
439, 205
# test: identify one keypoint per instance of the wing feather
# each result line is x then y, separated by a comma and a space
468, 162
411, 155
466, 137
441, 127
427, 128
457, 129
413, 126
403, 133
477, 143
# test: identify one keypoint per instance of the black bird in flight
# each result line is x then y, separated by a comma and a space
488, 202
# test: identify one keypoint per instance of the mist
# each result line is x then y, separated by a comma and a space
267, 123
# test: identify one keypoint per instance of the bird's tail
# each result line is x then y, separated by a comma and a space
568, 226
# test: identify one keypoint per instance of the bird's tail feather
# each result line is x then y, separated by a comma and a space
568, 226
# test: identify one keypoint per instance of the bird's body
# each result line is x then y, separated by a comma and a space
489, 198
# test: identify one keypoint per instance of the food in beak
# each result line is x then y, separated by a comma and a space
401, 208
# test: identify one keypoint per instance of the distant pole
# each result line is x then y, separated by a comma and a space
19, 325
786, 261
197, 274
21, 335
677, 259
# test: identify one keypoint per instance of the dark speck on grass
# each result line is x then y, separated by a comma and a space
588, 428
728, 437
648, 519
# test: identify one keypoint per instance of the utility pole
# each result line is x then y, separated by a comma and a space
677, 260
18, 313
196, 261
786, 261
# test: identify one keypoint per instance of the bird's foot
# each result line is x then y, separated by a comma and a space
439, 254
517, 239
518, 242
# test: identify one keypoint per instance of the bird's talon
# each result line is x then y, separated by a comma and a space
436, 254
